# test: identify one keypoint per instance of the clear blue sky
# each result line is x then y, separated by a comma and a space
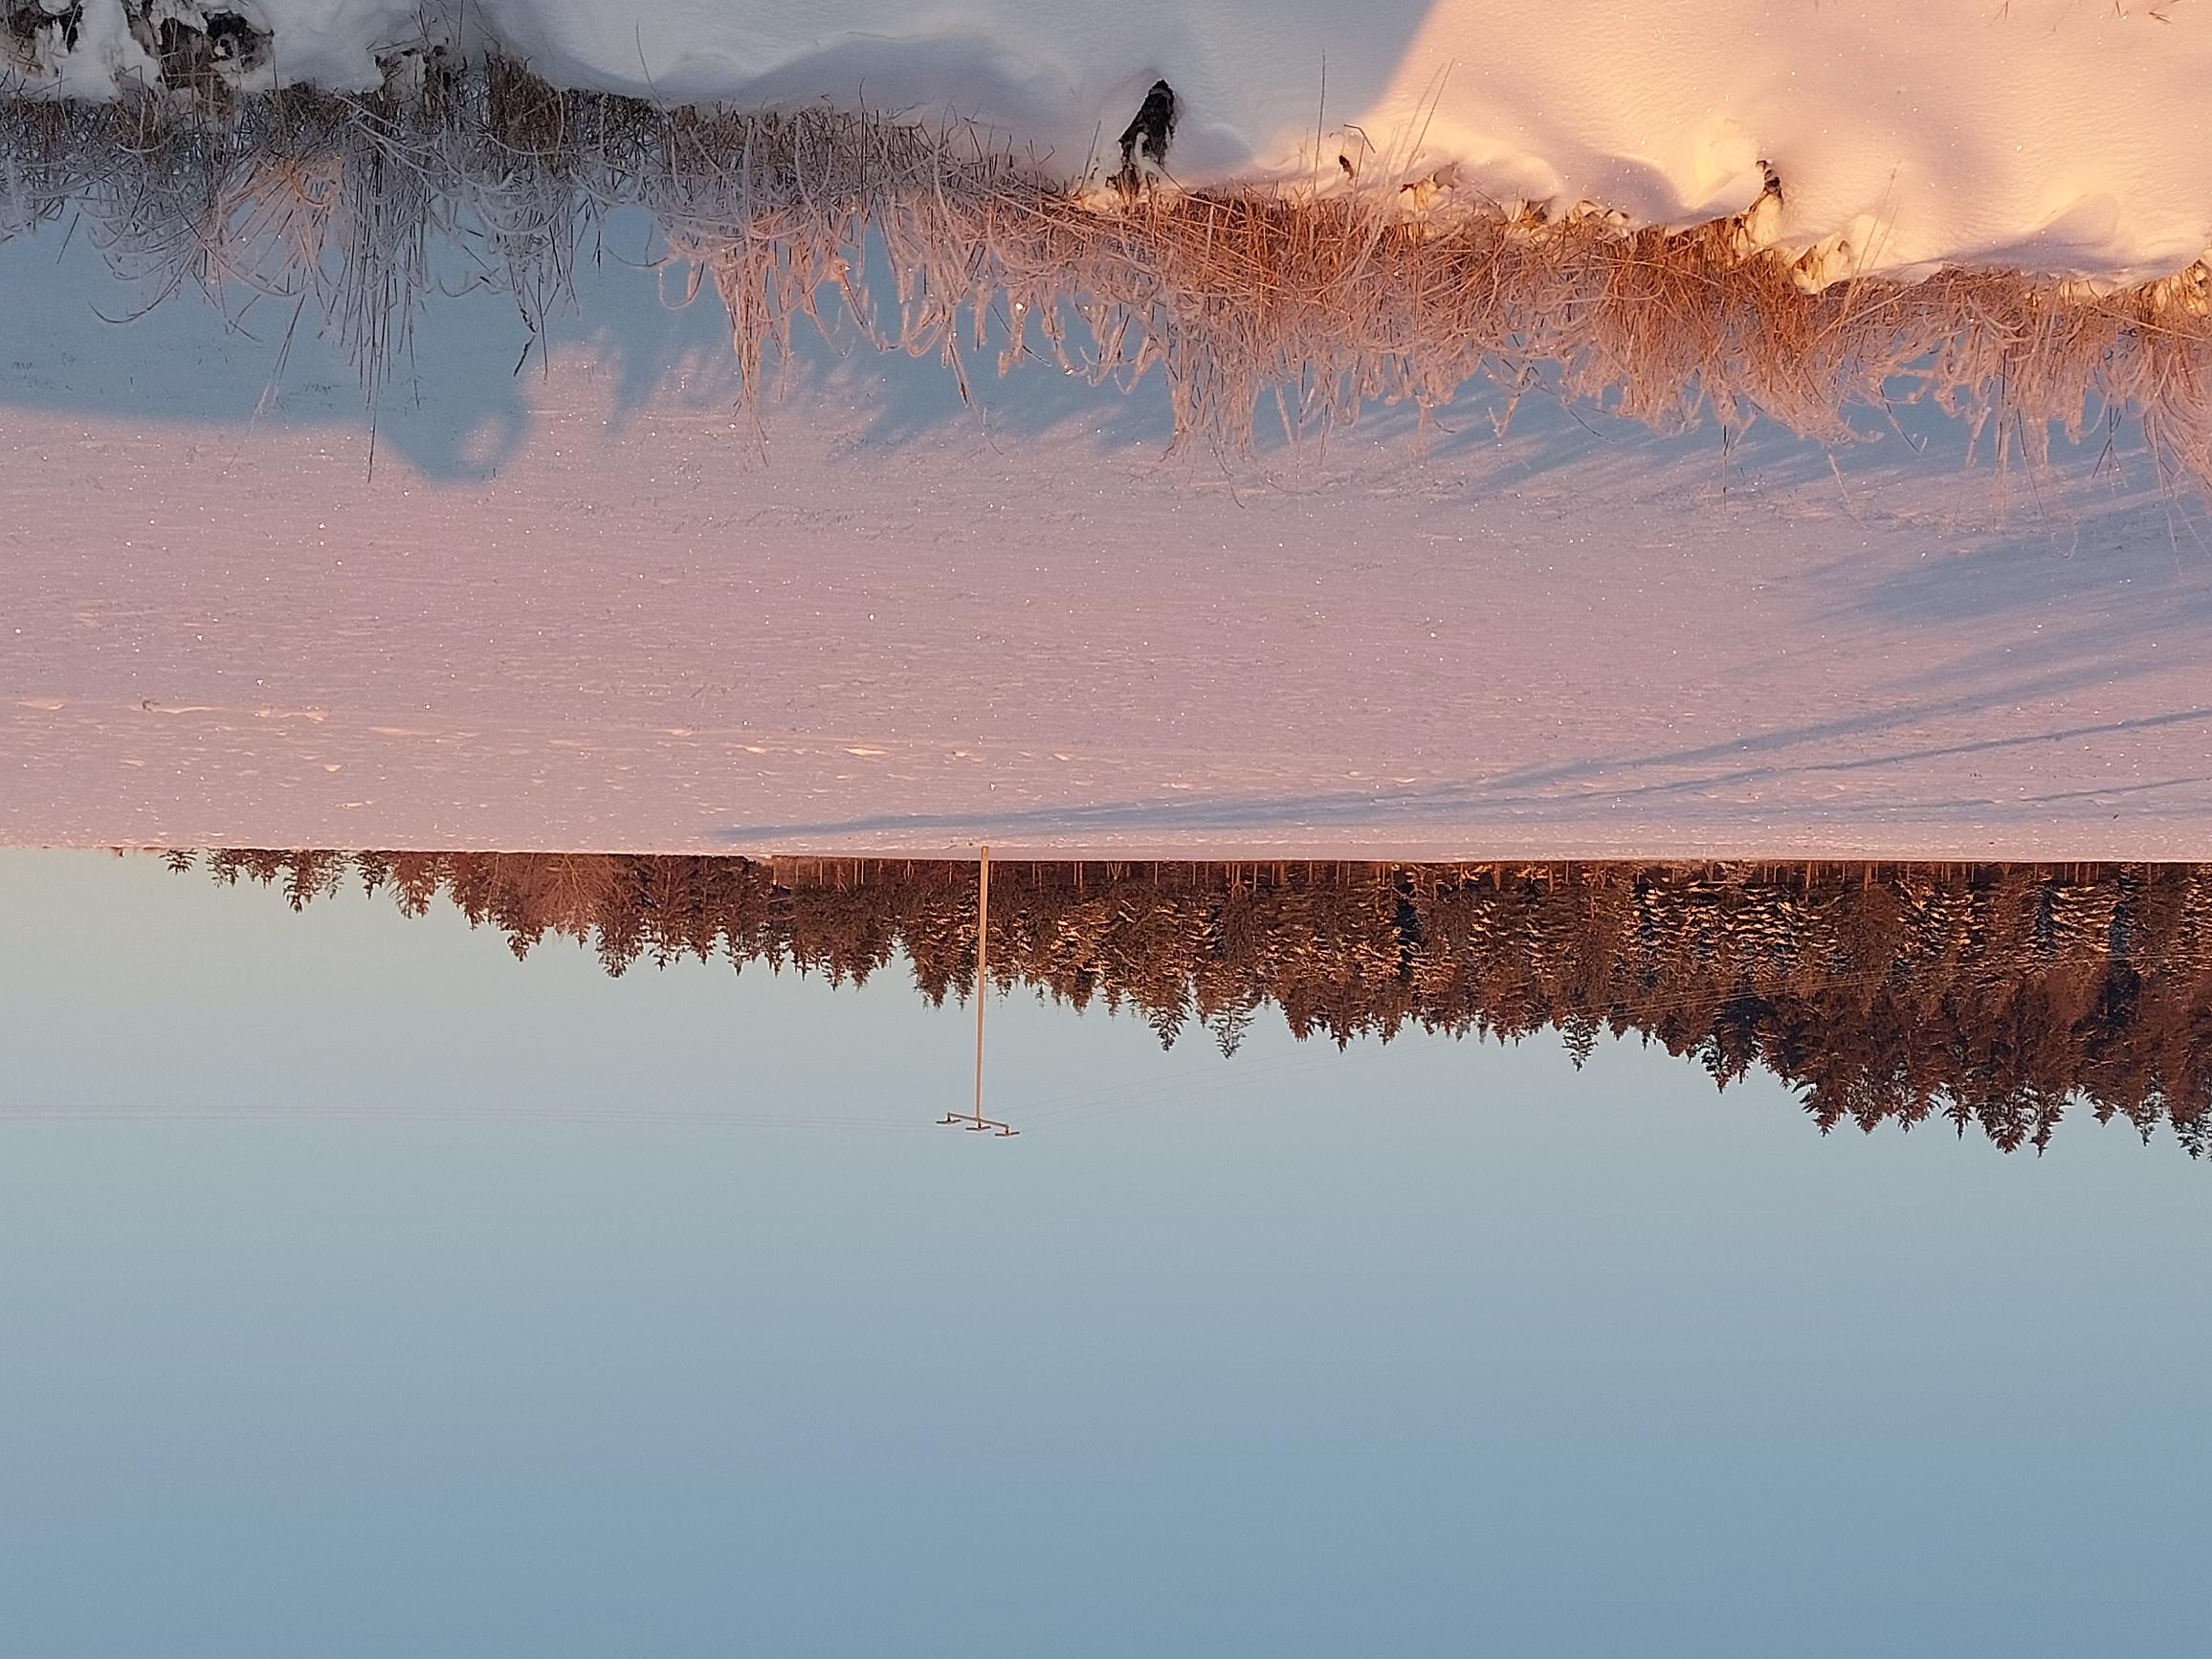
366, 1292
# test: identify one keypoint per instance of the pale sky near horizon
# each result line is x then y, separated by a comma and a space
366, 1292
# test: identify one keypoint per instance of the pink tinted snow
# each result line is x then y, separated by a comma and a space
877, 622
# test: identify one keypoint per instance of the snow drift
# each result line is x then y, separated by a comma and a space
2045, 134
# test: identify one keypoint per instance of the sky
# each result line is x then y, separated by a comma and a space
366, 1291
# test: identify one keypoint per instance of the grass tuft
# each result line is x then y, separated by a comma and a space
1316, 302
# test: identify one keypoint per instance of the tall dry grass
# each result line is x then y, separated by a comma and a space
1306, 303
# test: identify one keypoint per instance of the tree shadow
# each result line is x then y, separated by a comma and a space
1562, 796
2111, 562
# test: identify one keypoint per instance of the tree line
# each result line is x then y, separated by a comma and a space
1994, 996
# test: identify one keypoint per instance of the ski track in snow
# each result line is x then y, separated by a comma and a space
596, 607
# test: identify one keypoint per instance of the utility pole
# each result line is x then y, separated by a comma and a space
976, 1121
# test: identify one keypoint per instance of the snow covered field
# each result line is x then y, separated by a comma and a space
591, 602
593, 608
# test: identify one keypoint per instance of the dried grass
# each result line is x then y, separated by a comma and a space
1320, 302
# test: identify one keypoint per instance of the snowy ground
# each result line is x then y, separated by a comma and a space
591, 607
2057, 134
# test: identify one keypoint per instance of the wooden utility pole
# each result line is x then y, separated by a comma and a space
983, 965
976, 1120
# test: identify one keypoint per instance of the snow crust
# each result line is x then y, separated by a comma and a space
2061, 135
